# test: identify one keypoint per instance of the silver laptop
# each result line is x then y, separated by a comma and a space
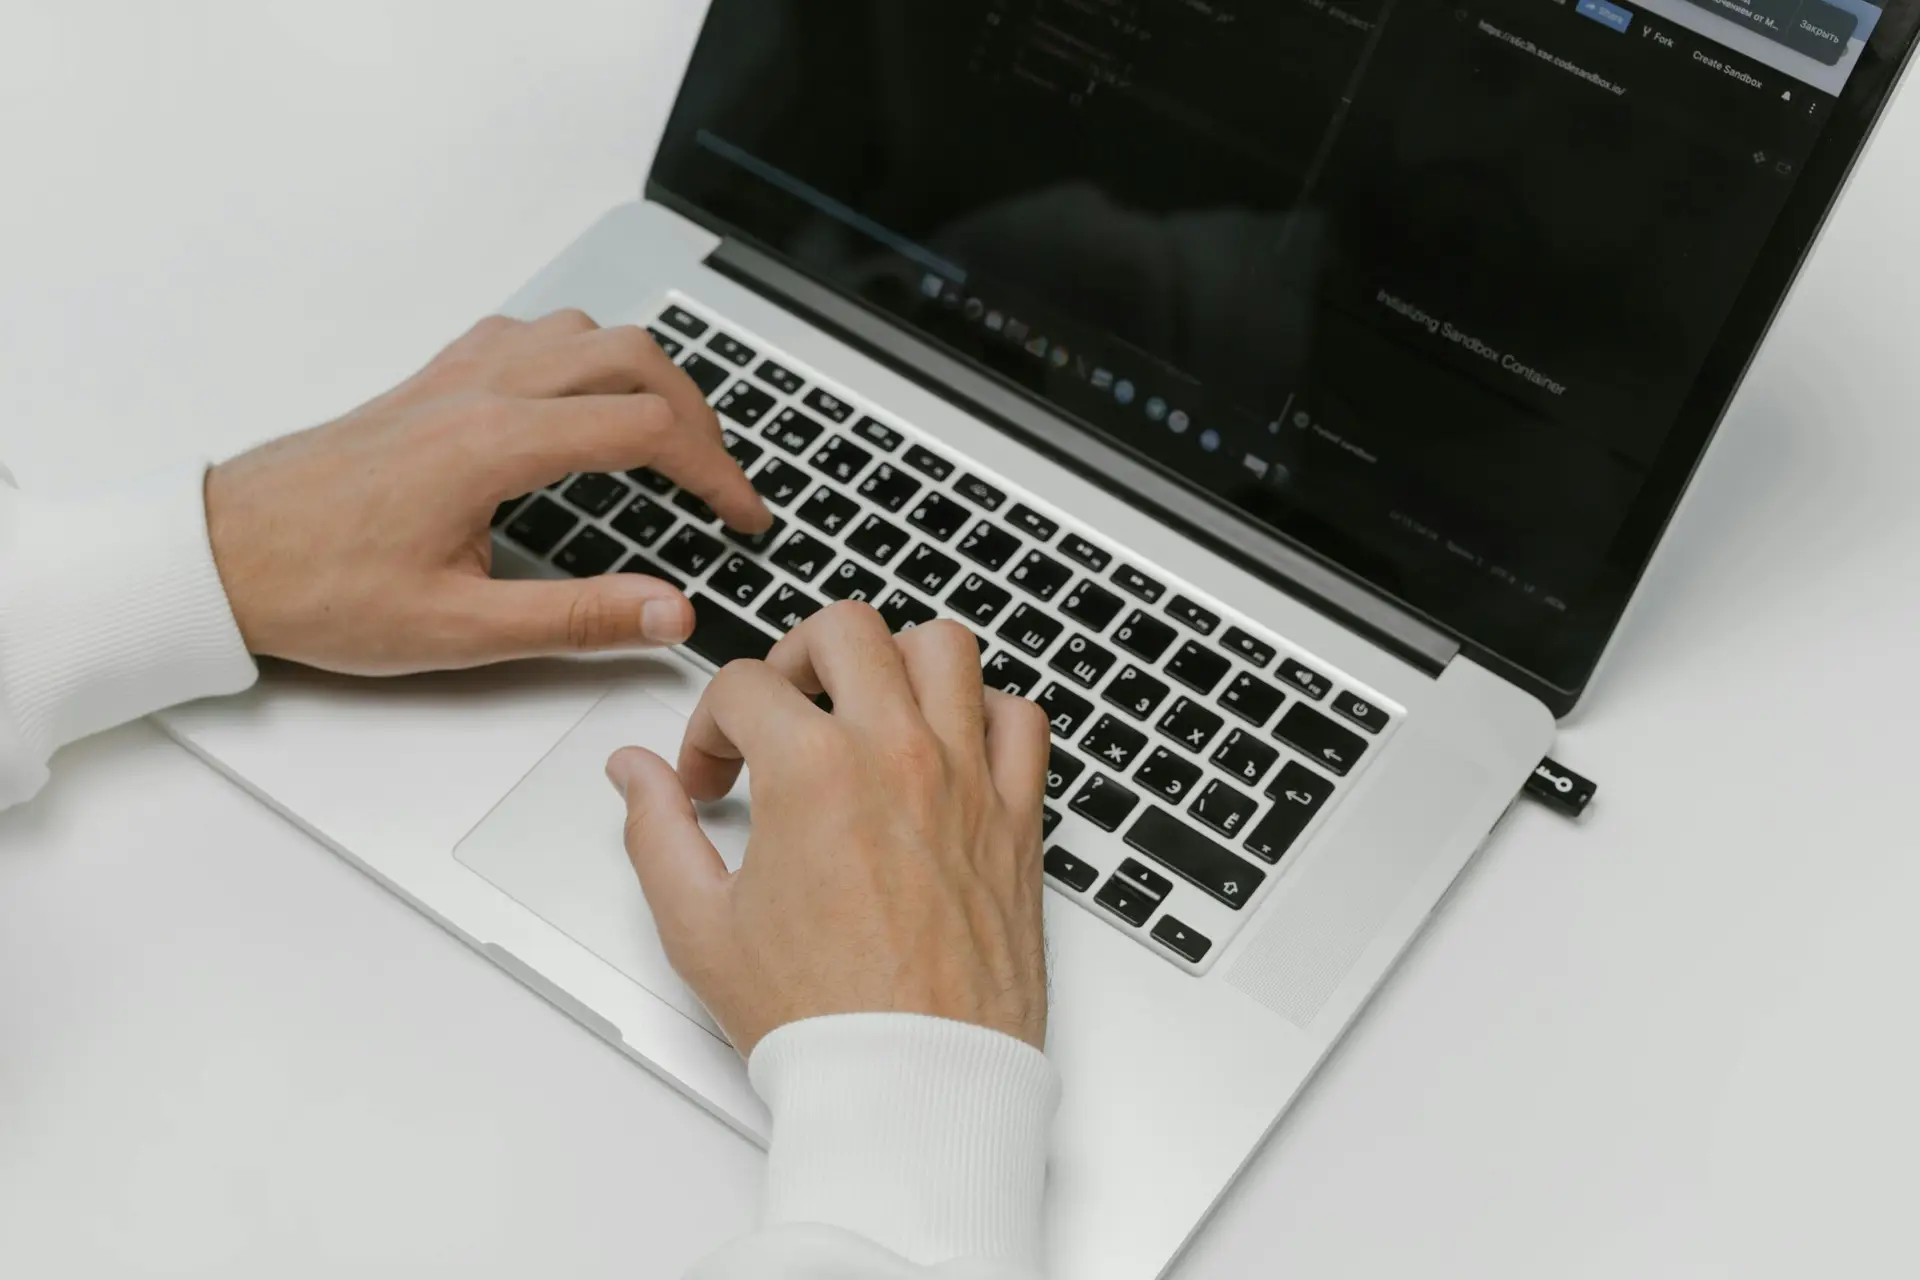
1289, 396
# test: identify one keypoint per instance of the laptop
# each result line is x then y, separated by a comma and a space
1289, 396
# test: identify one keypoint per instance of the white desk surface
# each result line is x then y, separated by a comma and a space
1675, 1042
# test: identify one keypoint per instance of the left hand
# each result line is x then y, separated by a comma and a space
364, 547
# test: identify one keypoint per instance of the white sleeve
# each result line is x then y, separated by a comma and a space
904, 1148
110, 609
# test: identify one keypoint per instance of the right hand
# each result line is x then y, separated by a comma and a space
895, 861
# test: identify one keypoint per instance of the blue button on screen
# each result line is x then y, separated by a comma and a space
1611, 15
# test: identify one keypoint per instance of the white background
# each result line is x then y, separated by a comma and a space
1677, 1041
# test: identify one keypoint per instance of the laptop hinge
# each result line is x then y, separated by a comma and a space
1095, 456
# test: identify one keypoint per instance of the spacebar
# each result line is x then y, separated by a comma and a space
720, 635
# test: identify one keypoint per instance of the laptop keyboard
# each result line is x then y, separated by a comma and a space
1193, 750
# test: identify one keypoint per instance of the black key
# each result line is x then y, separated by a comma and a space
560, 484
1167, 775
1256, 652
1135, 692
988, 544
804, 556
1245, 757
590, 554
1205, 621
1361, 712
1066, 710
685, 321
648, 569
643, 521
876, 539
780, 482
1031, 630
852, 582
1320, 739
927, 462
1104, 802
1113, 743
1305, 679
693, 506
744, 451
745, 403
650, 480
928, 570
1144, 877
722, 636
1223, 808
979, 492
1196, 667
1136, 583
780, 377
794, 431
708, 375
691, 551
1041, 575
666, 342
1181, 940
739, 581
903, 612
828, 510
756, 541
978, 600
1078, 548
596, 494
1082, 661
878, 434
1145, 636
1125, 901
1032, 523
1092, 605
1252, 699
1069, 870
889, 487
938, 516
1049, 819
505, 509
1194, 858
541, 525
788, 607
1190, 724
1298, 794
1062, 772
1008, 674
730, 349
828, 405
841, 459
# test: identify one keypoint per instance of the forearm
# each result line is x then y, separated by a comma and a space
111, 608
904, 1148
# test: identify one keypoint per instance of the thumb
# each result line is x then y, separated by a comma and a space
531, 619
680, 871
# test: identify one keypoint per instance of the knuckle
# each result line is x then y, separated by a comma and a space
652, 416
591, 622
633, 345
851, 619
573, 319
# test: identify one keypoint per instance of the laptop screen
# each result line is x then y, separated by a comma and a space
1450, 292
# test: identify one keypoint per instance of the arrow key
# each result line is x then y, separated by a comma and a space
1181, 940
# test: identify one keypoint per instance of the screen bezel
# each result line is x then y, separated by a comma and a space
1876, 78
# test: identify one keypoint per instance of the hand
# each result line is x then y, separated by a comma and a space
895, 859
363, 546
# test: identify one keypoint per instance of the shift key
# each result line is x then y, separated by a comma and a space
1194, 858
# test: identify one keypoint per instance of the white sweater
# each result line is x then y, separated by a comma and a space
902, 1146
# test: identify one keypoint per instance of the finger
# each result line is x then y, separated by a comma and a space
680, 872
846, 652
550, 438
565, 322
942, 661
1018, 749
749, 712
498, 621
608, 362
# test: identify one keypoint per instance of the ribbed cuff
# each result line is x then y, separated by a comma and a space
110, 608
928, 1137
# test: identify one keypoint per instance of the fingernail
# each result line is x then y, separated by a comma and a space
617, 771
664, 621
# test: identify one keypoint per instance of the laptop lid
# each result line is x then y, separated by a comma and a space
1449, 293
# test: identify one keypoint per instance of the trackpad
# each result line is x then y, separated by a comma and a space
555, 844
